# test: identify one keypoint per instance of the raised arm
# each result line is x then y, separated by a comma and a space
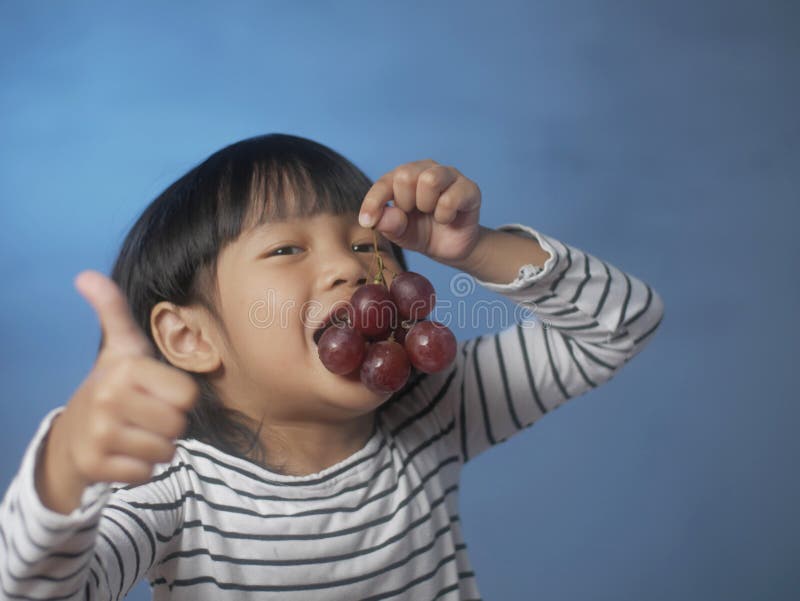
99, 550
62, 534
597, 317
592, 319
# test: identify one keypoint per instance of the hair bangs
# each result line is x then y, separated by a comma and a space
296, 186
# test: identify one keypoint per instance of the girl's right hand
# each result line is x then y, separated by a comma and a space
124, 417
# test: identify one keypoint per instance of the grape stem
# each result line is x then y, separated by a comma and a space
379, 279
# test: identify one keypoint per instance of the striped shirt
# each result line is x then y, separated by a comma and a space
381, 524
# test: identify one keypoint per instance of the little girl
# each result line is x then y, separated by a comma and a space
210, 451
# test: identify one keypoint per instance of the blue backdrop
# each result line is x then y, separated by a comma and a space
663, 137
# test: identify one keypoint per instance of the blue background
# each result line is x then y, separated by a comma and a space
663, 137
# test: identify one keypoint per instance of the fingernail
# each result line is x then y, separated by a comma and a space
365, 219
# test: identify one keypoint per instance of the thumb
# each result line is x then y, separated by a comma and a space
120, 330
408, 230
393, 224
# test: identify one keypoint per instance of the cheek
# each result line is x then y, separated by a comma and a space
268, 310
271, 350
262, 323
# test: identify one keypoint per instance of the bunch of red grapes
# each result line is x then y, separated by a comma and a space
382, 332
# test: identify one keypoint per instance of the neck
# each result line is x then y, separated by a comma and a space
303, 448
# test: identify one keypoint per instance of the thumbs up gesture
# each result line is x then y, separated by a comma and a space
123, 418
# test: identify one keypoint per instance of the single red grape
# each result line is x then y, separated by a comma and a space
413, 294
341, 349
373, 312
385, 368
430, 345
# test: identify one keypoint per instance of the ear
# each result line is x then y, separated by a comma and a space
184, 336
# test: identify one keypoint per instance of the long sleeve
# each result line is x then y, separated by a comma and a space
592, 319
99, 551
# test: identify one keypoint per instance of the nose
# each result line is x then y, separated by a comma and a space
343, 267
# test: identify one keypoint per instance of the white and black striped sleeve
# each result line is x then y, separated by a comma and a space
591, 318
99, 551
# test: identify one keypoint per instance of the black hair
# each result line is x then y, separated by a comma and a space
170, 253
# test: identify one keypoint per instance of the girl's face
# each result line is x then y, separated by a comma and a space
277, 284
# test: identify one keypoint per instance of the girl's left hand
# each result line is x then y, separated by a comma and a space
435, 211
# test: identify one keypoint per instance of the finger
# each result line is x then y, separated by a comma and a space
431, 183
140, 444
444, 215
374, 201
165, 382
404, 184
463, 196
393, 223
144, 411
120, 331
415, 228
381, 192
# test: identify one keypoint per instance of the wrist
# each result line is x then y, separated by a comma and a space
498, 256
472, 262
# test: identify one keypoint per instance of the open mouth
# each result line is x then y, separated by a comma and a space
337, 318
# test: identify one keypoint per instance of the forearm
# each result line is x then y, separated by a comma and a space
59, 489
56, 548
591, 318
498, 256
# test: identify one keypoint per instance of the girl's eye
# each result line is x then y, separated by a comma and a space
369, 247
280, 251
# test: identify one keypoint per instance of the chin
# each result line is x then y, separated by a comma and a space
349, 394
